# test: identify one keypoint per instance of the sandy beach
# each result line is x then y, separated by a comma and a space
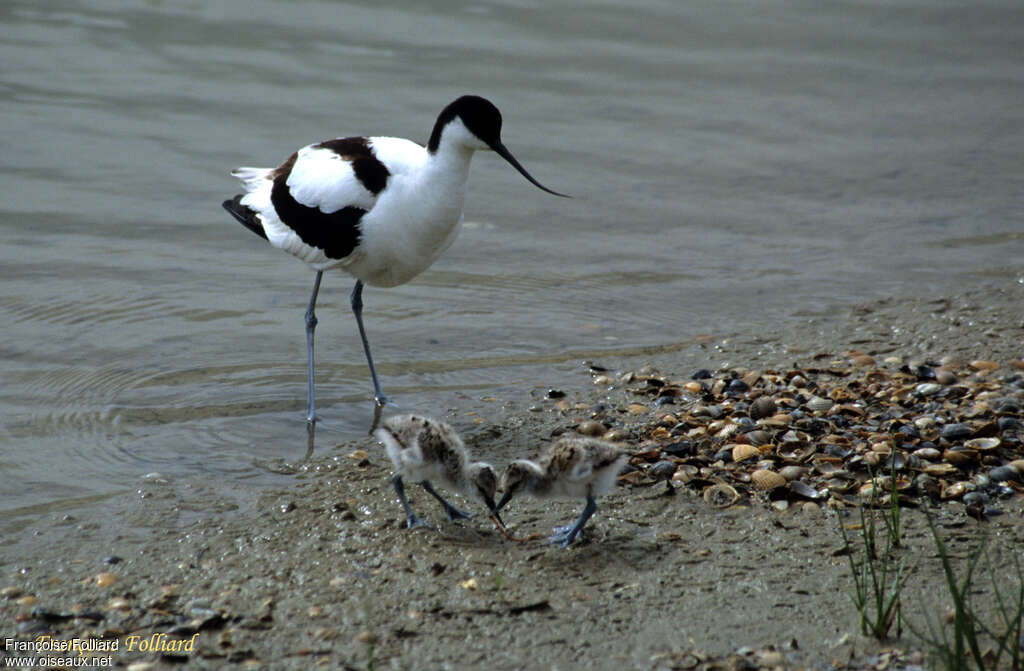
323, 574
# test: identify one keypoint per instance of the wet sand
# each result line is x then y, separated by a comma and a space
323, 574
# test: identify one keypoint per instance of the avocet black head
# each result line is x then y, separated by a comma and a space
482, 120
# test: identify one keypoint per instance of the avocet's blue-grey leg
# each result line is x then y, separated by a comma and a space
450, 510
357, 309
412, 519
310, 328
564, 536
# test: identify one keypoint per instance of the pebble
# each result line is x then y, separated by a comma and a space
1004, 474
827, 431
956, 431
11, 592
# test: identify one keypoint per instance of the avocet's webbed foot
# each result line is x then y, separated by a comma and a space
565, 535
414, 521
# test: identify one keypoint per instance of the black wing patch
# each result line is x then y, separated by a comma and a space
368, 168
336, 233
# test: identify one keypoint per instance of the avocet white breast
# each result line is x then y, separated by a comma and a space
382, 209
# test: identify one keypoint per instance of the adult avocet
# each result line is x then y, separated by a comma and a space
382, 209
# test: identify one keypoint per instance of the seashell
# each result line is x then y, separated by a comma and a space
470, 584
940, 470
744, 452
637, 409
758, 437
119, 603
27, 600
960, 456
764, 479
794, 472
983, 365
591, 427
721, 495
1018, 464
660, 433
929, 453
924, 422
616, 436
693, 387
792, 436
818, 404
685, 473
840, 485
106, 579
804, 490
956, 490
762, 407
927, 389
982, 444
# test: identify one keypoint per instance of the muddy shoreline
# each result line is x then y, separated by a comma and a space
322, 572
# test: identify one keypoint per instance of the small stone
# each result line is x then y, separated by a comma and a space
367, 637
693, 387
943, 376
956, 431
737, 386
862, 360
928, 388
470, 584
637, 409
27, 600
1004, 474
616, 436
983, 365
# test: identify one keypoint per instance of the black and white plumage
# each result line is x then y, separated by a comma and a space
572, 467
382, 209
425, 450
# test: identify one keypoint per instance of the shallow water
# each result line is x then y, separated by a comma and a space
735, 165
